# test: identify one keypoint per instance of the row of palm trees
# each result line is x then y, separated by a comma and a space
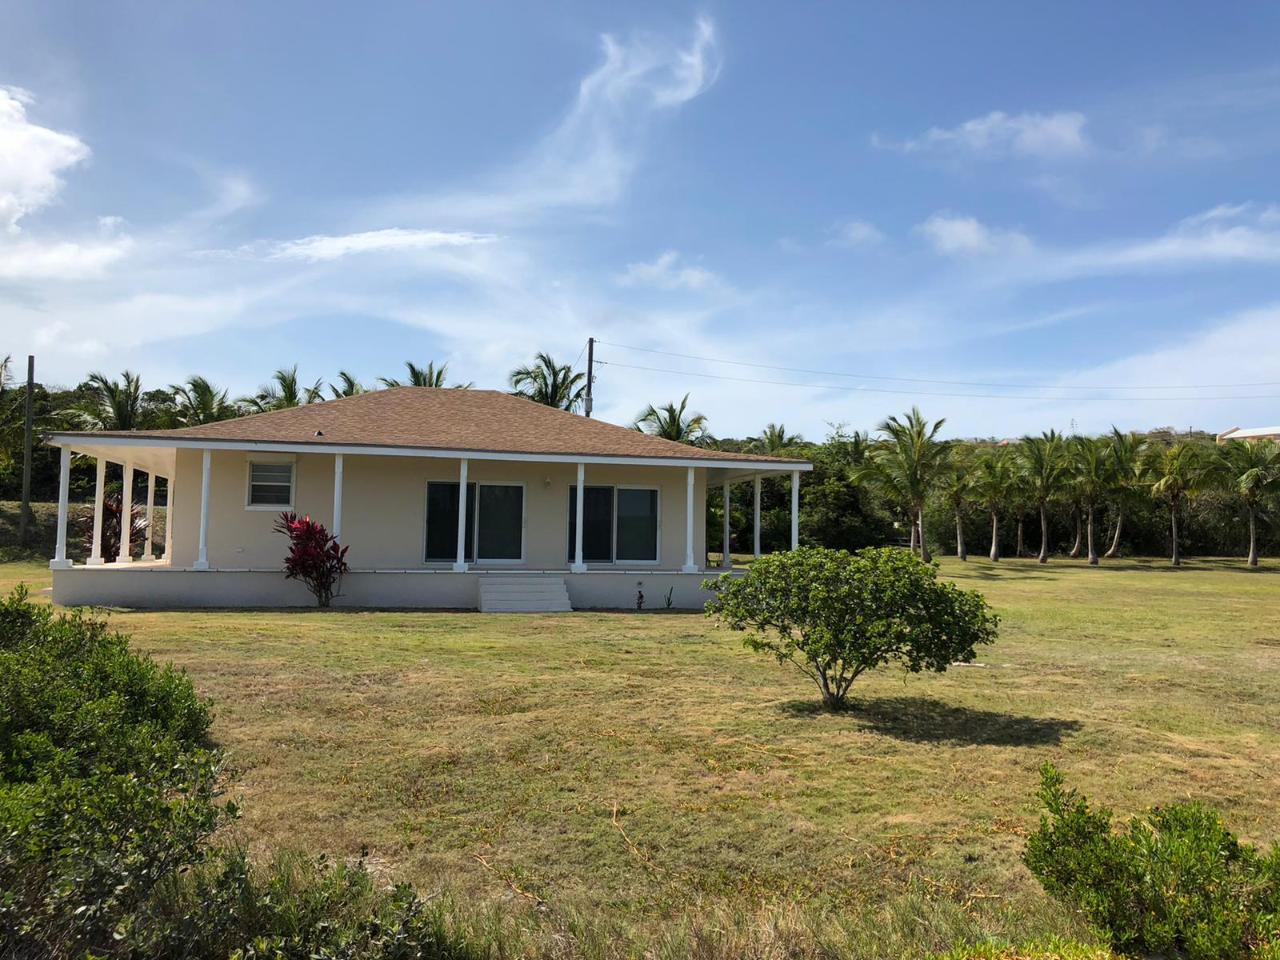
122, 404
909, 464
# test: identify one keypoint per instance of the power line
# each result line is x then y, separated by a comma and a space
850, 388
957, 383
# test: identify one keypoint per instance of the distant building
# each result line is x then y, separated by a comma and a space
1249, 433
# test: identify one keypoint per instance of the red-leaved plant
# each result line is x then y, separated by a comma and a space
315, 556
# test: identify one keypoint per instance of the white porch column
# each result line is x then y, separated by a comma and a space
202, 551
126, 516
95, 551
726, 561
460, 564
795, 509
337, 496
151, 515
578, 566
60, 561
755, 511
689, 565
168, 519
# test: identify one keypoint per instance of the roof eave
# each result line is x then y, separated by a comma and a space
73, 439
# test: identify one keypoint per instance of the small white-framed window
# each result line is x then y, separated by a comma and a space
270, 485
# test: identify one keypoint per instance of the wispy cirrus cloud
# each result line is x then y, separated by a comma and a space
953, 235
999, 134
588, 159
668, 272
856, 233
1241, 233
324, 247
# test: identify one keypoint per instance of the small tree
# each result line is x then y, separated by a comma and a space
835, 615
315, 557
111, 508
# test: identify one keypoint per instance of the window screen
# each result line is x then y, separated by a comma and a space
501, 521
442, 521
270, 484
637, 524
597, 524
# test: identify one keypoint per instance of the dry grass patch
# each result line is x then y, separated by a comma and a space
639, 766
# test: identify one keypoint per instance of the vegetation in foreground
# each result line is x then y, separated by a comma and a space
644, 782
1175, 882
108, 801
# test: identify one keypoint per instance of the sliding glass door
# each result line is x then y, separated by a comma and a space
618, 524
494, 523
500, 522
597, 524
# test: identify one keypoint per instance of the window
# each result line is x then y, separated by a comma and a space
637, 537
494, 524
597, 524
500, 522
270, 485
618, 525
442, 521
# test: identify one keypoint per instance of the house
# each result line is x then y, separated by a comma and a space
1249, 433
560, 509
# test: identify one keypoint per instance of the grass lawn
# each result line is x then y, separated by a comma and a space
636, 767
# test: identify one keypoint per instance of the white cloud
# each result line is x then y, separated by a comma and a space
998, 134
667, 273
1225, 234
322, 247
61, 260
953, 235
857, 233
588, 159
32, 158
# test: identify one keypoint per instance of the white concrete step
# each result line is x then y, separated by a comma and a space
523, 594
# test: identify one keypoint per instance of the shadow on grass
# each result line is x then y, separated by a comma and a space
925, 720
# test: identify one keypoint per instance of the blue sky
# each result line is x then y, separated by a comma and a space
1017, 216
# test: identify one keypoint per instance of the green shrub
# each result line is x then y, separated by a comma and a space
106, 784
1176, 882
835, 615
292, 907
108, 796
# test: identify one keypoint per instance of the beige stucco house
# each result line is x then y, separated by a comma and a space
560, 510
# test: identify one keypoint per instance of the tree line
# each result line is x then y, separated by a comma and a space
1081, 496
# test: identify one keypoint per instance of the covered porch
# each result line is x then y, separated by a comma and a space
616, 532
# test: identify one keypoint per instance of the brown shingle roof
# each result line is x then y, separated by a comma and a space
444, 419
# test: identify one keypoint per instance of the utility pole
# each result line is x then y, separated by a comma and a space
24, 515
591, 373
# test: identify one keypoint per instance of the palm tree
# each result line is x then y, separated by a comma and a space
111, 404
1253, 471
1126, 465
775, 439
549, 383
956, 485
198, 401
993, 479
284, 391
906, 464
1046, 468
428, 376
672, 422
1093, 479
347, 386
1176, 473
